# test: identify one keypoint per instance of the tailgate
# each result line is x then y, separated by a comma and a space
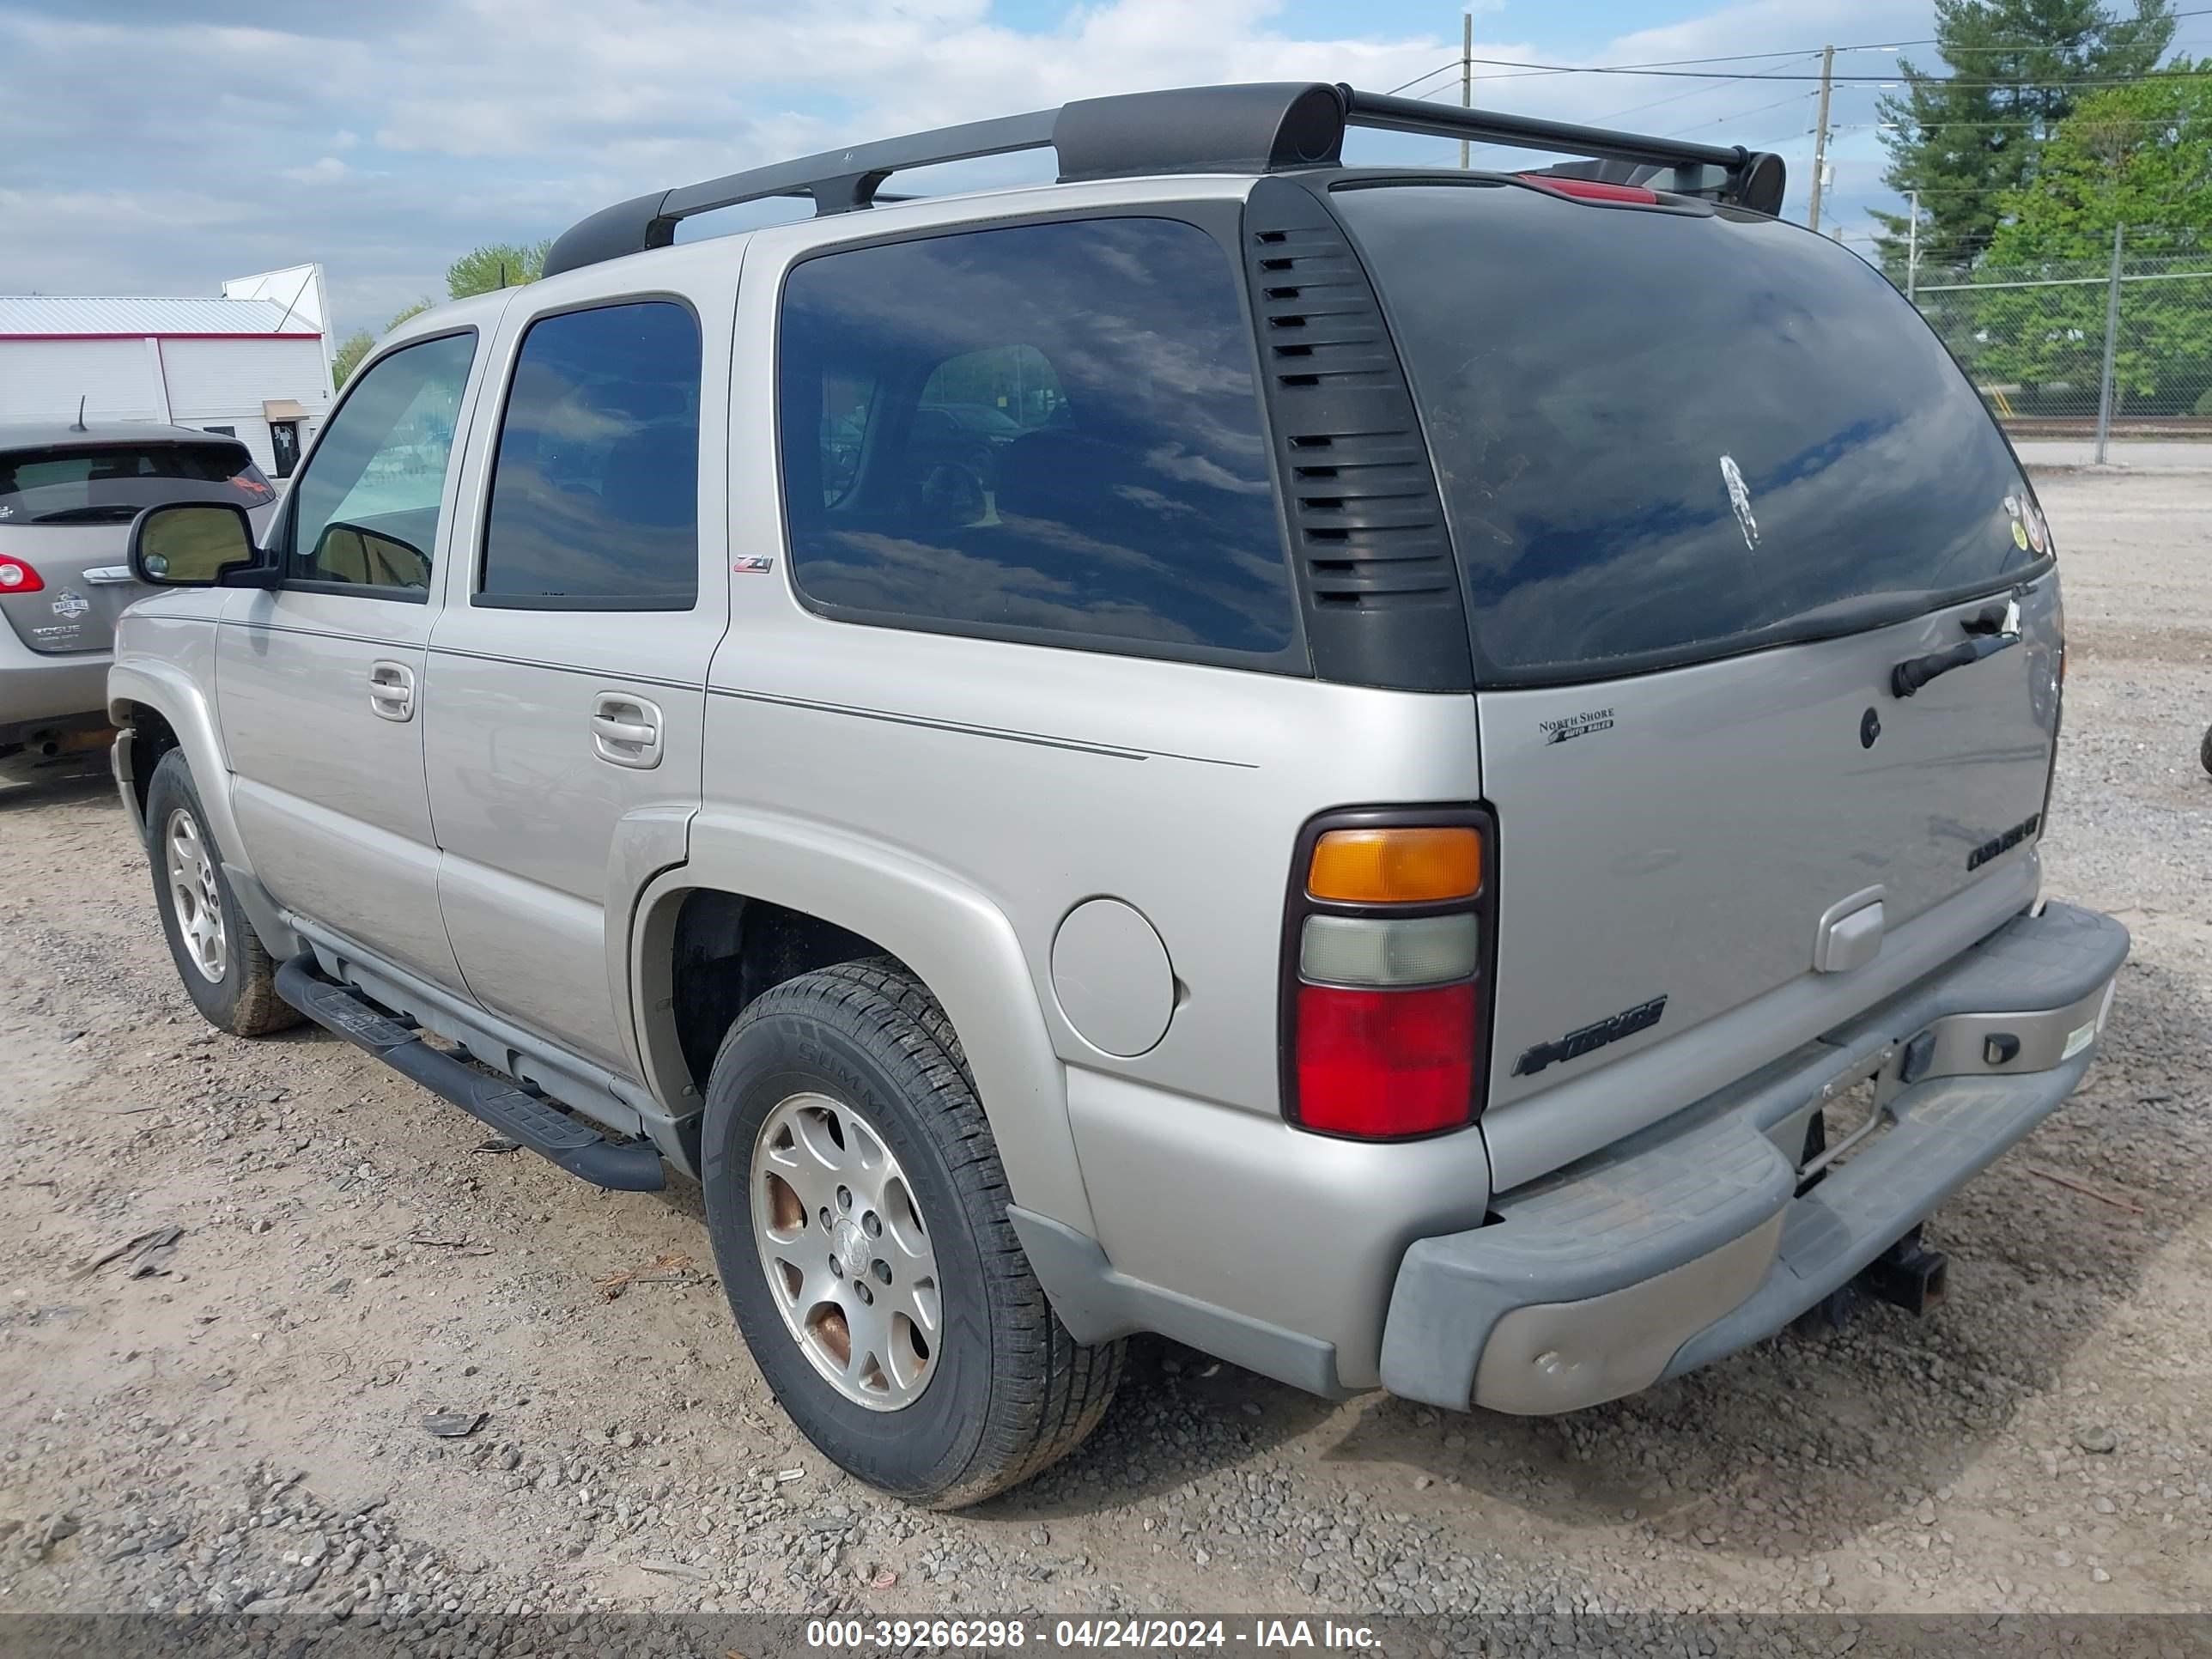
1691, 849
1711, 480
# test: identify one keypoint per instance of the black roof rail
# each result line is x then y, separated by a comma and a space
1259, 127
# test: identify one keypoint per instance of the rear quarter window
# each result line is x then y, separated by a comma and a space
1047, 431
1662, 436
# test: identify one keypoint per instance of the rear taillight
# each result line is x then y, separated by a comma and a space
17, 577
1387, 948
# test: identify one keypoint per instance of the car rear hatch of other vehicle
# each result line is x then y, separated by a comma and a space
65, 513
1711, 481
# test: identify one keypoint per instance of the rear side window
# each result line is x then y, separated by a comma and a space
1047, 431
595, 488
1665, 437
109, 482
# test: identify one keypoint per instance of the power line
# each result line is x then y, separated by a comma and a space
1794, 97
1691, 92
2191, 73
1519, 69
1439, 69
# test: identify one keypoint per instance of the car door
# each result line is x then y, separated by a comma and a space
320, 681
568, 667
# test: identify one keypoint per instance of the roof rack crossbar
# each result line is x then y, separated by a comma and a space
1380, 109
838, 181
1258, 128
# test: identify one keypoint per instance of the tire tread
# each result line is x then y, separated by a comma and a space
1049, 1392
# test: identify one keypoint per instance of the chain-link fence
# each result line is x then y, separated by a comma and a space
2041, 342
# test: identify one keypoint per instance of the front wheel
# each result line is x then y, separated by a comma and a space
227, 974
858, 1210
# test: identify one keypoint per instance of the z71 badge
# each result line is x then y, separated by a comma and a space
1573, 1046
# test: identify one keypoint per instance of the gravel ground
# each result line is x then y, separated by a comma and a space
233, 1418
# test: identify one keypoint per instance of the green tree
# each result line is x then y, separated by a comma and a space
1964, 138
500, 264
347, 358
2138, 157
405, 312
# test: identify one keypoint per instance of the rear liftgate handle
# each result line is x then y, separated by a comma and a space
626, 730
392, 690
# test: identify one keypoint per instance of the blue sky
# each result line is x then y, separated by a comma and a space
157, 146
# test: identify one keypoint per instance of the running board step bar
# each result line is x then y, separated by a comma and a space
520, 1116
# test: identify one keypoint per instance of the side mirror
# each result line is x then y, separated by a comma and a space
191, 544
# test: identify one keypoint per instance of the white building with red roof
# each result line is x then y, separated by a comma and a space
255, 363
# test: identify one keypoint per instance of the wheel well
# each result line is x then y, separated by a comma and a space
151, 738
729, 949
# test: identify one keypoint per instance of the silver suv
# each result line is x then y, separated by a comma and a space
1446, 798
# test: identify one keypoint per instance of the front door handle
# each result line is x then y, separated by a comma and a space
392, 690
626, 730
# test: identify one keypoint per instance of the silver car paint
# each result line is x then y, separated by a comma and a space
328, 793
527, 810
1712, 895
953, 800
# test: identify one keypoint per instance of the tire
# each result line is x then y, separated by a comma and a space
2204, 752
845, 1056
236, 992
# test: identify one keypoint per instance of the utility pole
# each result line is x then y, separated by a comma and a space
1465, 73
1821, 141
2111, 345
1912, 246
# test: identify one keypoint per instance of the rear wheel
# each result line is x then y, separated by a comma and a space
858, 1210
229, 977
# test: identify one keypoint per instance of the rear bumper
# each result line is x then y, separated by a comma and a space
37, 691
1685, 1242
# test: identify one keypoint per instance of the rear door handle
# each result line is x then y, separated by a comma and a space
392, 690
626, 730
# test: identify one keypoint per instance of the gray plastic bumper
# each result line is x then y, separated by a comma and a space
1684, 1243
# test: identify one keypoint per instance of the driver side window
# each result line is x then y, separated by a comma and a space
364, 515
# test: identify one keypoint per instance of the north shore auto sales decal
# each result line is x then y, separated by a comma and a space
1576, 725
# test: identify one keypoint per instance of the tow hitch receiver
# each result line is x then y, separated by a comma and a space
1906, 1276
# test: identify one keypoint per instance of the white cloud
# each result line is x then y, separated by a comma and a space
455, 122
327, 171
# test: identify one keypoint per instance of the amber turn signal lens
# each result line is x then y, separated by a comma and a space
1395, 867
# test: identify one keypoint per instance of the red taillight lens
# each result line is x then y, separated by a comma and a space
1384, 1064
1594, 189
17, 577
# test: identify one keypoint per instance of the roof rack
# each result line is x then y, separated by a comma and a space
1262, 127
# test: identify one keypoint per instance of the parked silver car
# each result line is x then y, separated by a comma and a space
68, 494
1434, 823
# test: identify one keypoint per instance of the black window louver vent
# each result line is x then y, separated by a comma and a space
1373, 555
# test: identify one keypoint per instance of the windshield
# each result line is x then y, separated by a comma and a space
1660, 437
109, 483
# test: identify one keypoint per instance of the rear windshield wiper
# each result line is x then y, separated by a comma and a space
1995, 627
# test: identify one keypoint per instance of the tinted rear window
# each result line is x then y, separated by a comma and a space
1045, 432
595, 490
1662, 436
107, 484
